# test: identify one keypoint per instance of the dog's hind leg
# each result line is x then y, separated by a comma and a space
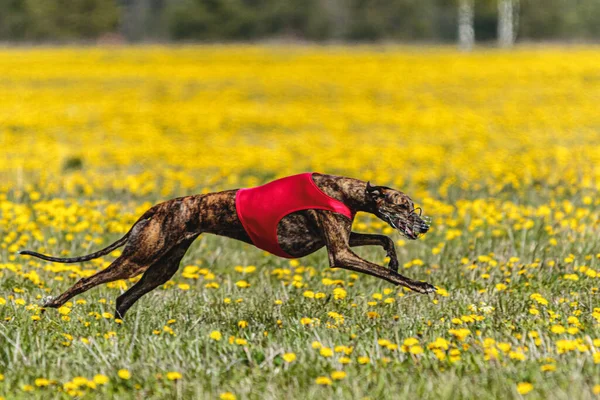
157, 274
129, 264
150, 240
121, 268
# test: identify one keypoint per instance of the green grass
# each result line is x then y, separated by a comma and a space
499, 147
39, 349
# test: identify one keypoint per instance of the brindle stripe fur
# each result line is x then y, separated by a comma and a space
158, 241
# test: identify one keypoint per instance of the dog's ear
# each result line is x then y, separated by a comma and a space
373, 191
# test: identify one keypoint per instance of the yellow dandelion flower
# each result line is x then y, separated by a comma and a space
80, 381
101, 379
517, 355
339, 293
558, 329
524, 387
42, 382
548, 368
326, 352
505, 347
454, 355
338, 375
460, 334
173, 376
64, 310
364, 360
323, 380
124, 374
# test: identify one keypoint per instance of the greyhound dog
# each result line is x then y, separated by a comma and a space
290, 217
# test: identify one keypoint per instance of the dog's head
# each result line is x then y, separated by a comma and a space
398, 210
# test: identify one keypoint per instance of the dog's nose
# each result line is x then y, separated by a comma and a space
422, 226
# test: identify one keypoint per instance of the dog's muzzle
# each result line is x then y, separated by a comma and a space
412, 227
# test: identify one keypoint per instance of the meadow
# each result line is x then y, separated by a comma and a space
500, 149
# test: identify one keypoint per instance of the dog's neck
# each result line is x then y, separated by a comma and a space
355, 195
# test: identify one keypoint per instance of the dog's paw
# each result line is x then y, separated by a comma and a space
423, 287
47, 301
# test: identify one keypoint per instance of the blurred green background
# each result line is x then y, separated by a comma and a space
313, 20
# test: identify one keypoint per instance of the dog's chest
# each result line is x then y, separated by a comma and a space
266, 213
297, 235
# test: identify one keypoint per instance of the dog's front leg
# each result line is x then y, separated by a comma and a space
367, 239
336, 230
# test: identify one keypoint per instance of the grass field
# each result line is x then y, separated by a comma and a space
501, 149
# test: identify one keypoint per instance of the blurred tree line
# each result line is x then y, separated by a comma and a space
354, 20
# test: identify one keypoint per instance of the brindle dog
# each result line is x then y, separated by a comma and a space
158, 241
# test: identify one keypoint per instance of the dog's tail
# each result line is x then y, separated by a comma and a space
88, 257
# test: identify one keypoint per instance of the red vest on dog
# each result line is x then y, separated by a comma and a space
261, 208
